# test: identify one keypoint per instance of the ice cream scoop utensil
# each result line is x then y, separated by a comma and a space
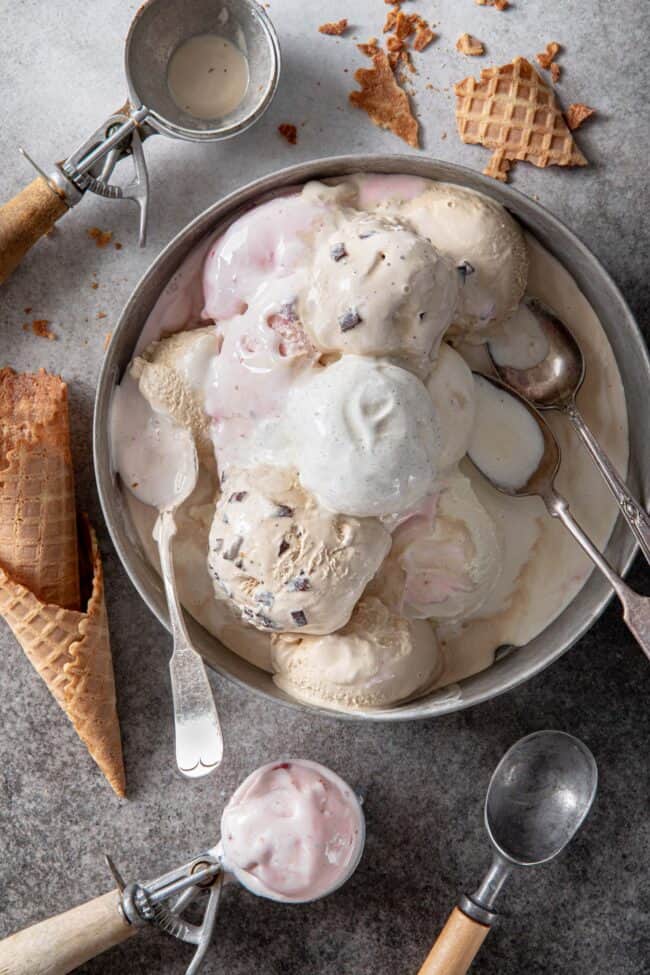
636, 608
553, 384
62, 943
156, 32
537, 799
199, 741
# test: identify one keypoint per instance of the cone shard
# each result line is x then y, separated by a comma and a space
513, 111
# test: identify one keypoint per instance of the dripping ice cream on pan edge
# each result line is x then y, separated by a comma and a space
320, 352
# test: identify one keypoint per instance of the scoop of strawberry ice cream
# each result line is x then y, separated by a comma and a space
445, 561
269, 242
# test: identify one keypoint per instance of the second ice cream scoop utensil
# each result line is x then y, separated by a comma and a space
553, 384
294, 822
159, 29
538, 797
540, 480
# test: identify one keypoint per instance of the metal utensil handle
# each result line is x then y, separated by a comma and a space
199, 741
64, 942
636, 608
634, 514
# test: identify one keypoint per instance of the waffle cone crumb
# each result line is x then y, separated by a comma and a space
546, 58
334, 27
288, 132
577, 113
469, 45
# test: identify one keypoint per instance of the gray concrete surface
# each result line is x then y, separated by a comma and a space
60, 74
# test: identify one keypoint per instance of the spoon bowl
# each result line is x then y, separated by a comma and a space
539, 795
554, 382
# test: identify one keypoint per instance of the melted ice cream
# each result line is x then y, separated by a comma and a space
252, 283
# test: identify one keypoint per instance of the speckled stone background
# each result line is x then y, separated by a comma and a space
60, 75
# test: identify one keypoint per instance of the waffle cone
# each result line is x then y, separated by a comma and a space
71, 652
512, 111
38, 525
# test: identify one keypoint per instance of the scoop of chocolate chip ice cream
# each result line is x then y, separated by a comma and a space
378, 288
288, 564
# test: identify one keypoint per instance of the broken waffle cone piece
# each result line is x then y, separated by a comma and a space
513, 112
71, 652
383, 99
38, 522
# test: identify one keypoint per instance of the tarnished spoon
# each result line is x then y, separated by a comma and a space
553, 384
538, 797
541, 482
157, 461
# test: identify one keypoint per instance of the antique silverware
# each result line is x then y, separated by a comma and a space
553, 384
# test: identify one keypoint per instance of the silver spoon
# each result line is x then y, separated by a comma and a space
636, 608
553, 384
156, 459
199, 741
537, 799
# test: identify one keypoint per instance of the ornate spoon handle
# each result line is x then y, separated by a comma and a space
199, 741
632, 511
636, 608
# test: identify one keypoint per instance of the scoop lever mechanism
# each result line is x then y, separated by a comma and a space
90, 166
62, 943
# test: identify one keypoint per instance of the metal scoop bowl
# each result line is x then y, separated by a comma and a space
157, 30
537, 799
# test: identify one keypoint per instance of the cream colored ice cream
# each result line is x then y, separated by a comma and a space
377, 659
485, 245
174, 375
378, 289
451, 388
365, 436
370, 442
284, 561
446, 560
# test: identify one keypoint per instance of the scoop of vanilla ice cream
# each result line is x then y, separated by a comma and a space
443, 565
451, 388
285, 562
486, 246
377, 288
375, 660
365, 436
173, 376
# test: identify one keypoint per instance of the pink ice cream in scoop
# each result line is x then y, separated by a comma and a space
293, 831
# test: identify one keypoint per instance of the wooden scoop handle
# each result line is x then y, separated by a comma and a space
62, 943
24, 220
456, 946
